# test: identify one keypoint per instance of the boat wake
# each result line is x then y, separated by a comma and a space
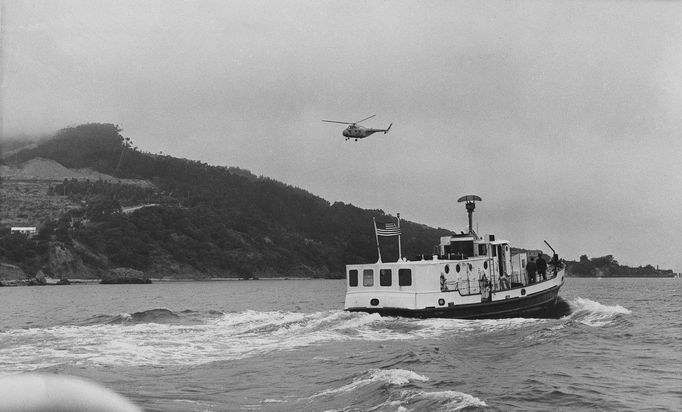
595, 314
164, 337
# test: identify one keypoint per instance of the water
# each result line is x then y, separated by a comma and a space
280, 345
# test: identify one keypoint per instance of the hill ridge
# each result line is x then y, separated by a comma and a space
211, 221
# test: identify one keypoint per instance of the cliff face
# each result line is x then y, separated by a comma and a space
11, 272
65, 263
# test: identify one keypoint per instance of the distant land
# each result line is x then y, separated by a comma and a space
608, 267
101, 207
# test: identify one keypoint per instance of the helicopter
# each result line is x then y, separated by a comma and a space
359, 132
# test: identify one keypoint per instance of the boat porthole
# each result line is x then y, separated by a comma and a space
485, 265
447, 268
523, 292
441, 302
457, 268
374, 302
471, 267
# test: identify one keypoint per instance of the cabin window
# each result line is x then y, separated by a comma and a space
523, 263
494, 249
459, 250
368, 277
385, 277
352, 277
482, 250
405, 277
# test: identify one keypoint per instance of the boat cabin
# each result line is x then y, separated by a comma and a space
464, 264
494, 255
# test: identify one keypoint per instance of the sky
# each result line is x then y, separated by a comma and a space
564, 117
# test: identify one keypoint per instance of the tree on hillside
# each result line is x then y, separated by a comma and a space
220, 220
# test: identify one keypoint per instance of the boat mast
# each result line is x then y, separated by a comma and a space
376, 236
400, 250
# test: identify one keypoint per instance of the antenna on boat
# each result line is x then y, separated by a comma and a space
470, 205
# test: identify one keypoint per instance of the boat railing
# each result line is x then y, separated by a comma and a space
470, 286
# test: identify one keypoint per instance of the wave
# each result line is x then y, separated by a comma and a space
396, 377
595, 314
158, 315
399, 398
441, 400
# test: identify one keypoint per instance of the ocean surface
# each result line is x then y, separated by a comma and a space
287, 345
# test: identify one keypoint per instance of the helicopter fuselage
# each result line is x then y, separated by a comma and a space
359, 132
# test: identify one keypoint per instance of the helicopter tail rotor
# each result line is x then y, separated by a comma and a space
388, 128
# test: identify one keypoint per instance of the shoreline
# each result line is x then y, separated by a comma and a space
78, 281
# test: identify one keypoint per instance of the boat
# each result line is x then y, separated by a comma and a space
468, 276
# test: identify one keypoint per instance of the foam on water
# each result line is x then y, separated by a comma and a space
595, 314
396, 377
404, 399
136, 340
446, 400
162, 337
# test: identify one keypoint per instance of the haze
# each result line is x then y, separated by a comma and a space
563, 116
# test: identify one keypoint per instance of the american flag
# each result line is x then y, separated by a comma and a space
387, 229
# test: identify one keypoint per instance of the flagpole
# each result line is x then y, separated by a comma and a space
400, 249
376, 235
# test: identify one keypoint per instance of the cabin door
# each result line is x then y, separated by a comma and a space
502, 258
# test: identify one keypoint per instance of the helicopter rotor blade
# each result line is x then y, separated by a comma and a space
334, 121
365, 118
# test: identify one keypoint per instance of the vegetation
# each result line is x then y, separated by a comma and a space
209, 220
607, 266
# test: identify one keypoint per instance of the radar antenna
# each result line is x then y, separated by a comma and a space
470, 205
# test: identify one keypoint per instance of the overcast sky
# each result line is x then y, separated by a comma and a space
564, 116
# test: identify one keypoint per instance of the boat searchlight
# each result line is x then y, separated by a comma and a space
470, 205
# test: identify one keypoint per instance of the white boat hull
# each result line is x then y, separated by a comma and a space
423, 298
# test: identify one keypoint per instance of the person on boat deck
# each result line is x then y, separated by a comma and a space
485, 292
482, 282
504, 281
542, 267
443, 286
531, 267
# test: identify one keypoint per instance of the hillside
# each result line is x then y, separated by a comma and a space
50, 170
27, 190
207, 221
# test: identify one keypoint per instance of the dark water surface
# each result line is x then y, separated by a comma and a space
279, 345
